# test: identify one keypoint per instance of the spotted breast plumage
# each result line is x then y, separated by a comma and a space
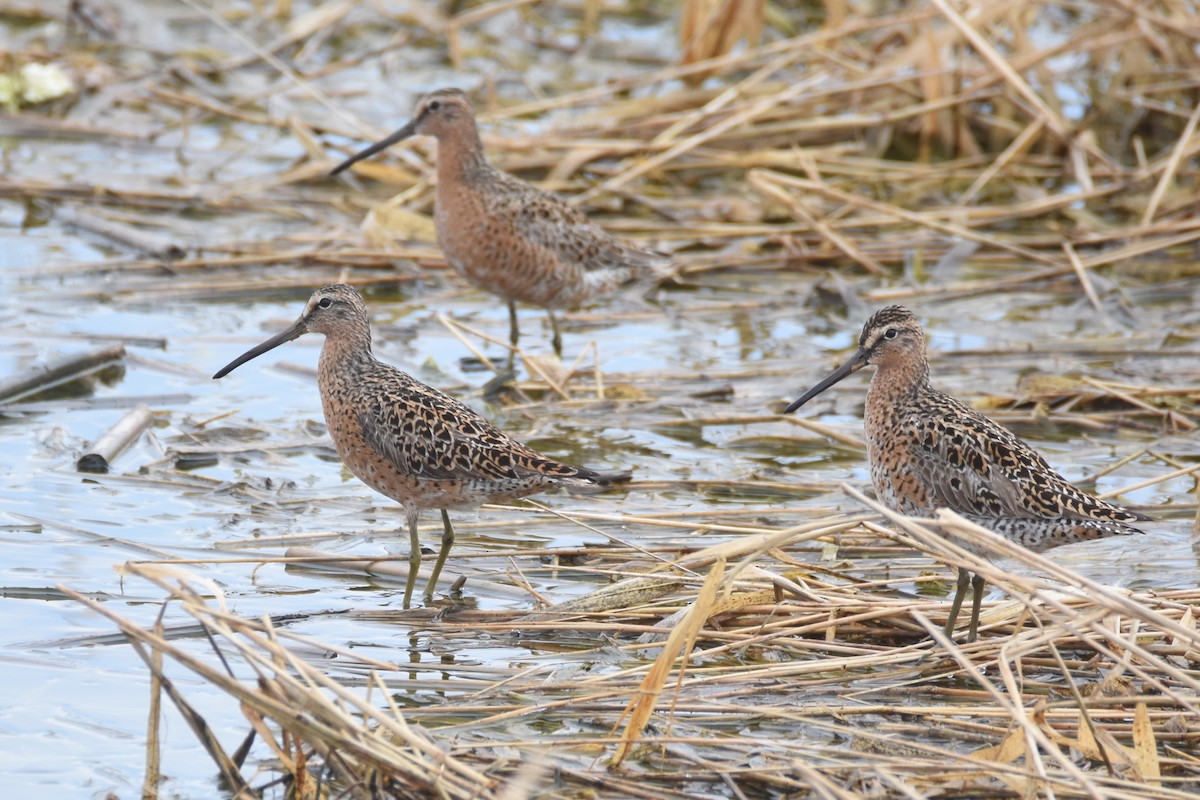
928, 450
407, 440
506, 236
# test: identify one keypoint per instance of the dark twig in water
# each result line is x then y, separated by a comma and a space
58, 370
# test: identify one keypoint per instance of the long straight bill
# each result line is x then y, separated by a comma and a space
297, 330
854, 364
405, 132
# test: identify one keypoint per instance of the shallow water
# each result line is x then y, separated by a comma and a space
73, 719
75, 716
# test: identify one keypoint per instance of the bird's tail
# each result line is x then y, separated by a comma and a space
1040, 535
656, 266
653, 270
606, 478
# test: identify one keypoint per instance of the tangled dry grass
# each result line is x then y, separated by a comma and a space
746, 668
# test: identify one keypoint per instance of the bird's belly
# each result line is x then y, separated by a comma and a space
1039, 535
383, 476
499, 259
896, 483
424, 492
518, 273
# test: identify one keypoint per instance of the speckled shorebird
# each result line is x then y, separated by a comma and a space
407, 440
506, 236
928, 450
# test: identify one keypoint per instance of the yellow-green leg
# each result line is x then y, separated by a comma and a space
976, 599
556, 339
447, 542
514, 330
976, 583
964, 578
414, 554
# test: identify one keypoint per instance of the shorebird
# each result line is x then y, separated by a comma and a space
928, 450
506, 236
409, 441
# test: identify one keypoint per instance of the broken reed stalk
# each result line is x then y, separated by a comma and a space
58, 370
100, 455
153, 774
678, 646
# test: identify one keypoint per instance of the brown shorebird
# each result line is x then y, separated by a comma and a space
928, 451
407, 440
506, 236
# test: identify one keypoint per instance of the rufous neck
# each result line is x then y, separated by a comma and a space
901, 377
346, 348
460, 154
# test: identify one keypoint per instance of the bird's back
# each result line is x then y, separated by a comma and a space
929, 450
521, 243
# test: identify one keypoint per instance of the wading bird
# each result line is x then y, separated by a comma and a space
506, 236
406, 440
928, 450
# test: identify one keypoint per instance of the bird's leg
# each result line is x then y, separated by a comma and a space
556, 340
976, 599
447, 541
514, 331
960, 592
414, 554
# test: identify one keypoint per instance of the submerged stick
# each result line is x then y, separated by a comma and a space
391, 568
58, 370
116, 439
152, 244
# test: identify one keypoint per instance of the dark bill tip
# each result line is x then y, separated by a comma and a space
405, 132
291, 333
854, 364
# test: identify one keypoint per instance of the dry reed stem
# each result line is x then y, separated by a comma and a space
1172, 168
678, 646
761, 182
153, 748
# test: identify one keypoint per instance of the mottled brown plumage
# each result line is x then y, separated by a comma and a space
928, 450
506, 236
407, 440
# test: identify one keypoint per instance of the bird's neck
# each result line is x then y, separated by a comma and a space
460, 157
897, 382
345, 351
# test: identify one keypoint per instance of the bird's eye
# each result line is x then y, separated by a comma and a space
434, 105
890, 333
324, 302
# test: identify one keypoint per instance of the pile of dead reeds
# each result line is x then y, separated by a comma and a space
1043, 140
704, 669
